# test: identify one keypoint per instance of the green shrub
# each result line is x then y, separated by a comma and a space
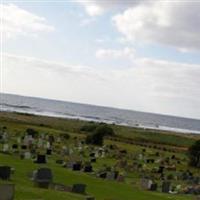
194, 154
98, 135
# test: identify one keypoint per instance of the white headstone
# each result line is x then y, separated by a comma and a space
5, 147
27, 155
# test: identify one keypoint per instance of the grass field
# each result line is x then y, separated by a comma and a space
100, 189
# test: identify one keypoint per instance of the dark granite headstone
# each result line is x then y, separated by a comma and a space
161, 169
153, 187
93, 160
24, 147
49, 151
166, 186
89, 198
103, 175
88, 168
92, 154
14, 146
5, 172
76, 166
79, 188
43, 177
41, 159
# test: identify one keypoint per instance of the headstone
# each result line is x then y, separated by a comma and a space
48, 145
40, 143
19, 140
154, 187
43, 177
27, 155
5, 148
15, 146
24, 147
5, 136
5, 172
51, 139
88, 168
161, 169
103, 175
93, 160
166, 186
79, 188
89, 198
76, 166
146, 183
92, 154
41, 159
48, 152
7, 191
110, 176
120, 178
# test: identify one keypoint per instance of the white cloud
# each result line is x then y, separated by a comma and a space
87, 21
126, 53
16, 22
169, 23
149, 85
98, 7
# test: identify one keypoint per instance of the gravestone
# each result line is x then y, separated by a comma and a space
14, 146
120, 178
51, 139
161, 169
76, 166
7, 191
166, 185
79, 188
92, 154
88, 168
48, 145
40, 143
89, 198
112, 175
5, 172
41, 159
5, 148
24, 147
43, 177
103, 175
93, 160
48, 152
154, 187
19, 140
146, 183
27, 155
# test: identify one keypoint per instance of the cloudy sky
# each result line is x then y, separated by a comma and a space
136, 54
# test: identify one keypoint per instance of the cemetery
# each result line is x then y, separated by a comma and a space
49, 158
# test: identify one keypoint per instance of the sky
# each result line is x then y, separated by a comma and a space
141, 55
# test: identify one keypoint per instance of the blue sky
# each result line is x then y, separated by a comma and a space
67, 17
141, 56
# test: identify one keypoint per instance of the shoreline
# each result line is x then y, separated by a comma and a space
87, 119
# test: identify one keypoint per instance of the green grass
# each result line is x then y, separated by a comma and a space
19, 121
100, 189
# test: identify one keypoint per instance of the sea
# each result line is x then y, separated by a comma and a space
64, 109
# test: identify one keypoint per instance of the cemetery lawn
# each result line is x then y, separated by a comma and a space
101, 189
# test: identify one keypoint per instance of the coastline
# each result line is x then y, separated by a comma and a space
93, 119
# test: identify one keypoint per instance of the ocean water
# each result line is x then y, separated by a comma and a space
39, 106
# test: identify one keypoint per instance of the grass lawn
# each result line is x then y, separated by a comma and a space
100, 189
